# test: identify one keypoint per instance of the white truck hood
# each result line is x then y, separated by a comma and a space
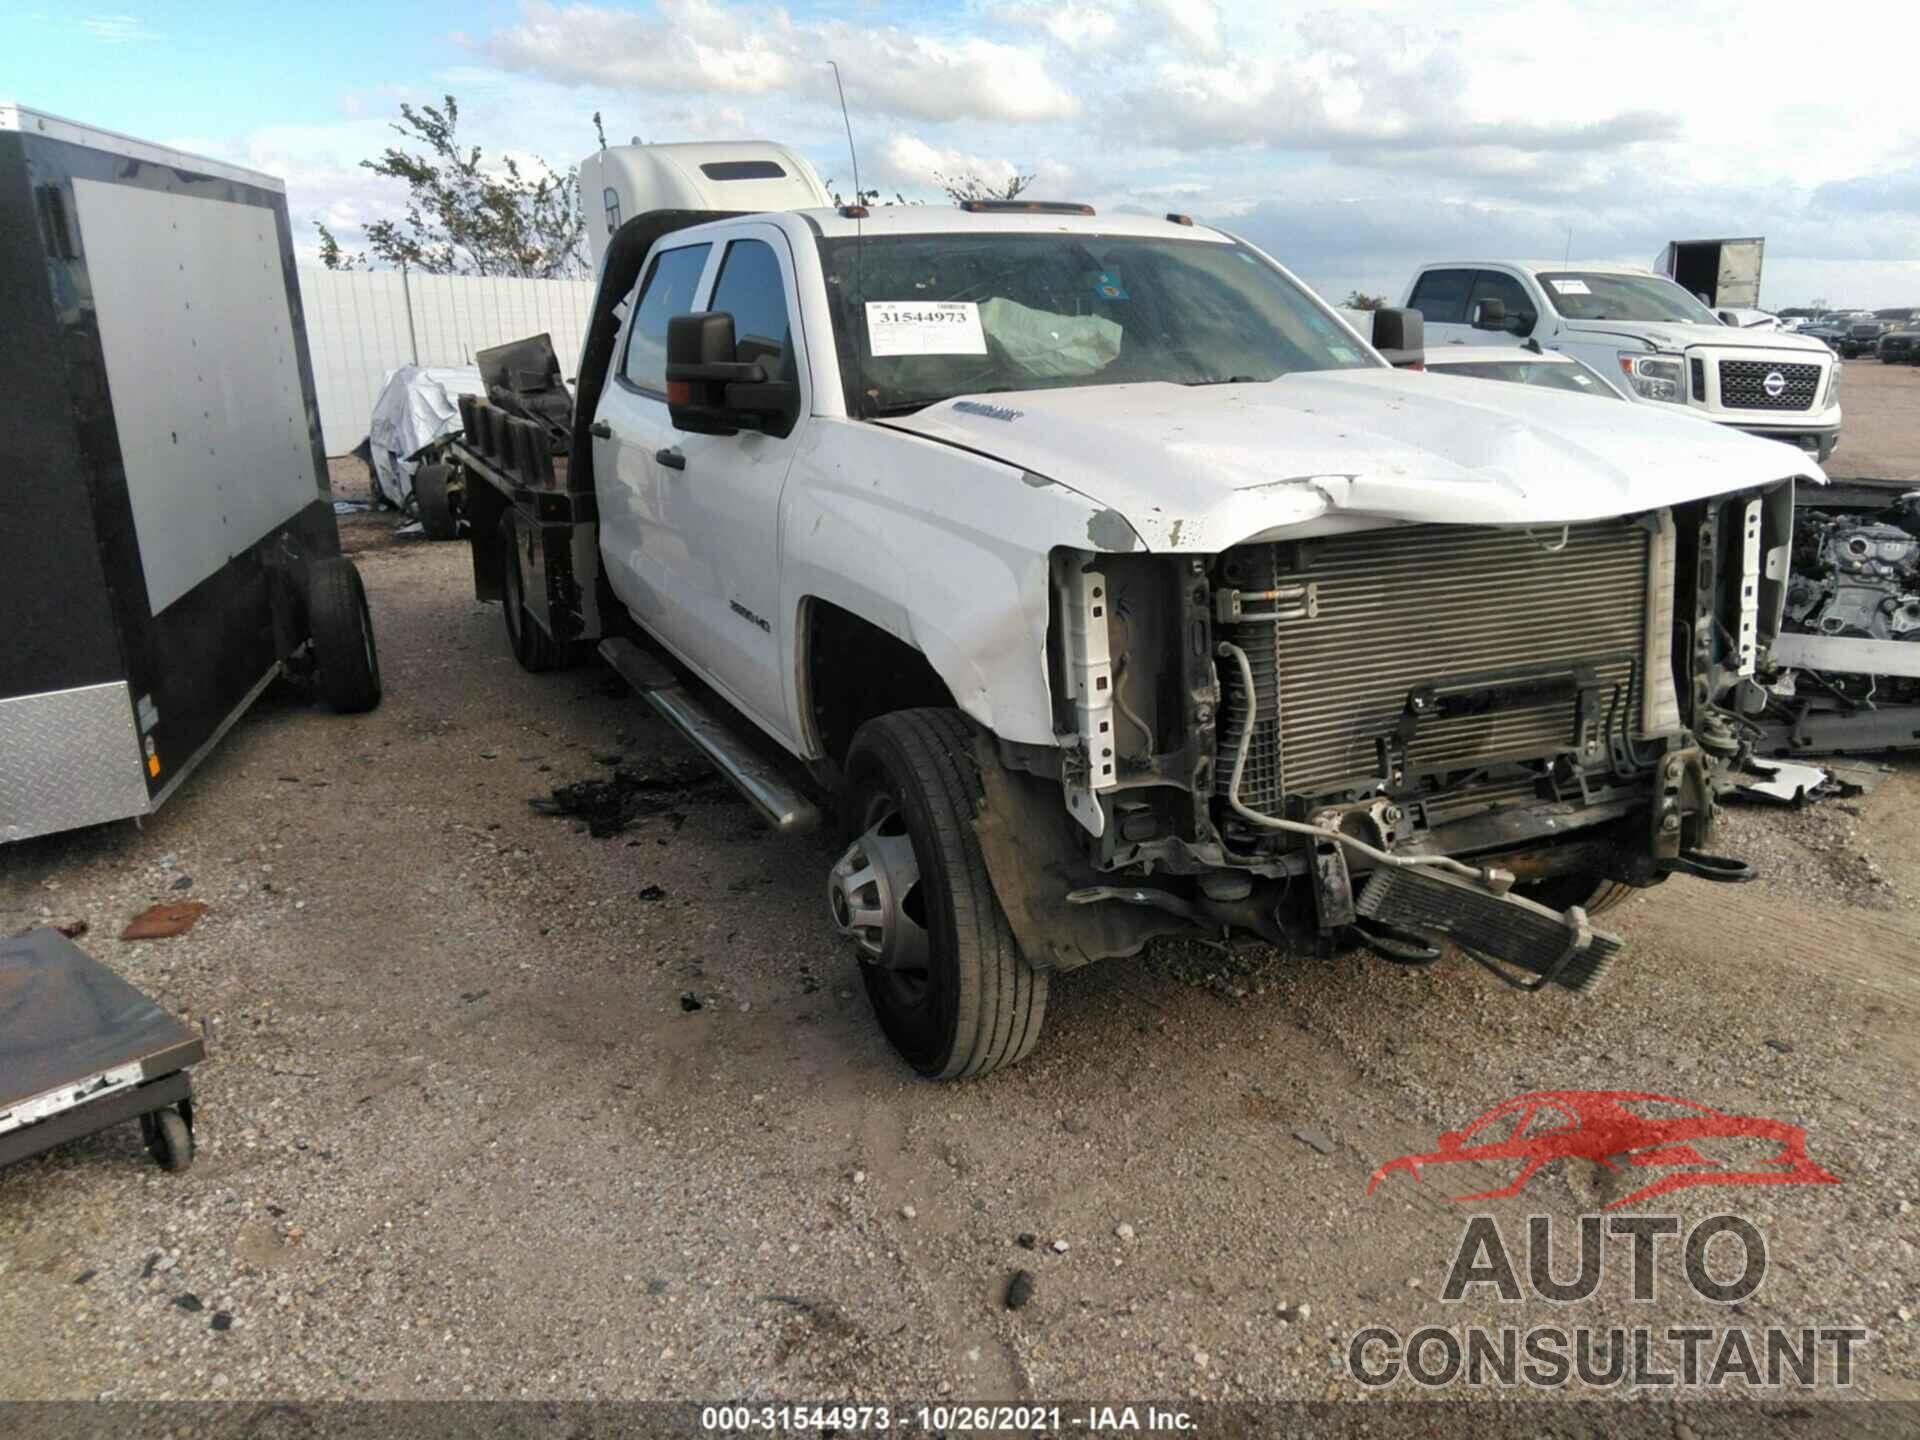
1674, 335
1202, 468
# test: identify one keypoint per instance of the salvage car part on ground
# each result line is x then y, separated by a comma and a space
1847, 661
85, 1050
168, 545
417, 405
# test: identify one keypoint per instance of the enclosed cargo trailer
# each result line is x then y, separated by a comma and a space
1725, 274
167, 543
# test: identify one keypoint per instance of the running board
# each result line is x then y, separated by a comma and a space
779, 802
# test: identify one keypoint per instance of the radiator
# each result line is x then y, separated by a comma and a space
1404, 608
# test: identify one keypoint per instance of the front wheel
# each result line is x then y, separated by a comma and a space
947, 980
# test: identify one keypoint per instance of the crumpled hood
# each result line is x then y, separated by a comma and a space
1200, 468
1673, 335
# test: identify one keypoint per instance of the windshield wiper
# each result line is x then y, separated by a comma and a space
1229, 380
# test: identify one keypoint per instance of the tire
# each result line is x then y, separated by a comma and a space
536, 650
1592, 893
977, 1005
169, 1140
434, 505
342, 630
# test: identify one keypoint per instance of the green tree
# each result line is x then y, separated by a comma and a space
466, 215
1360, 300
972, 187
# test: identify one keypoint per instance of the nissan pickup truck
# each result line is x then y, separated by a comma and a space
1658, 344
1113, 588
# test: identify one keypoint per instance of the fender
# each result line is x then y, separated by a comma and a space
944, 548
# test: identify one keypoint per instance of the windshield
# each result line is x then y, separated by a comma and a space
1596, 295
1544, 374
936, 316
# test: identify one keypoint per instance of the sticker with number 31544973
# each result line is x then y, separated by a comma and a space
925, 327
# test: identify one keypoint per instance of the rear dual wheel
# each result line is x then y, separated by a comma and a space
533, 647
946, 979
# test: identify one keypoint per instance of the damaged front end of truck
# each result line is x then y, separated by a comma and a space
1396, 735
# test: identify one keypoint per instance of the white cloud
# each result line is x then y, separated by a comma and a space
700, 47
1194, 24
117, 29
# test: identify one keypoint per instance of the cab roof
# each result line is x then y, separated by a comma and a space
1535, 267
882, 220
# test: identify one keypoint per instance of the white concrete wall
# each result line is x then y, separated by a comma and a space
357, 330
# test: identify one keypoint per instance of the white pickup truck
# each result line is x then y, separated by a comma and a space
1652, 339
1118, 589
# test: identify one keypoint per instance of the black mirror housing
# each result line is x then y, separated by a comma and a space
1490, 315
1401, 336
710, 391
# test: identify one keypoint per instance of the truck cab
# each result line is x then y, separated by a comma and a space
1653, 340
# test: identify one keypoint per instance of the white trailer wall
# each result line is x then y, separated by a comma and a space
362, 324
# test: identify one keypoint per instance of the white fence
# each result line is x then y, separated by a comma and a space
361, 324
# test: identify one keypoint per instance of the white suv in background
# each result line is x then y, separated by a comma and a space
1649, 337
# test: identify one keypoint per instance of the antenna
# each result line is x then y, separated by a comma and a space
856, 324
852, 154
1567, 259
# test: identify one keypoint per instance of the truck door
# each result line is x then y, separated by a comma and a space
1522, 313
721, 493
1441, 298
641, 545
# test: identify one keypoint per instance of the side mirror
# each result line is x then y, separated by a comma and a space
1490, 315
1401, 336
710, 391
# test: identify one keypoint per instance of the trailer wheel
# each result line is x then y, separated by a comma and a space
342, 629
430, 498
947, 980
534, 648
169, 1140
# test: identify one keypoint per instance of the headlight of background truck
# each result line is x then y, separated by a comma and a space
1655, 377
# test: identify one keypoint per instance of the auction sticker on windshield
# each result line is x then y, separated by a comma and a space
923, 327
1570, 287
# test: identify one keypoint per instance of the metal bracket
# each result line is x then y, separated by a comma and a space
1089, 664
1749, 634
1332, 886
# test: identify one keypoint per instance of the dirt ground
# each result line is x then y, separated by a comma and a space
1880, 438
463, 1133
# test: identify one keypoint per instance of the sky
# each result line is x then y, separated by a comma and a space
1352, 142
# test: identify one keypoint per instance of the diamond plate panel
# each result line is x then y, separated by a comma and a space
68, 758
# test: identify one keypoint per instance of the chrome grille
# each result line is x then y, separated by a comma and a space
1402, 608
1743, 385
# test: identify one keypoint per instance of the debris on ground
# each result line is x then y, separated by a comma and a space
1307, 1135
634, 793
690, 1002
163, 921
1019, 1289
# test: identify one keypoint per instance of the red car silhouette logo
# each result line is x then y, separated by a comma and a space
1616, 1128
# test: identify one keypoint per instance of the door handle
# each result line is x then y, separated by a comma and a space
600, 430
670, 458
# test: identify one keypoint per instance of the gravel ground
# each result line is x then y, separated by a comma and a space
462, 1135
1880, 437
